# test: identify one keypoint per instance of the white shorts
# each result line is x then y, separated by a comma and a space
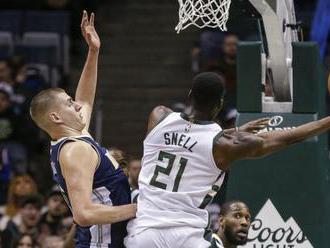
178, 237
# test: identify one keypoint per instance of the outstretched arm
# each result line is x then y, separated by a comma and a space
85, 92
243, 145
78, 163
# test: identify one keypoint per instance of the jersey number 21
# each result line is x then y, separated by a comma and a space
167, 170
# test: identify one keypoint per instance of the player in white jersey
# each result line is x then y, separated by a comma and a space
184, 163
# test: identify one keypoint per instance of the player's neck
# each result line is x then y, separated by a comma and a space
200, 116
65, 133
225, 242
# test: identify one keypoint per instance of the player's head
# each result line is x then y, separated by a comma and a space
207, 93
234, 221
53, 109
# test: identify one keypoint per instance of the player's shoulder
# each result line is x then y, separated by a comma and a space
75, 149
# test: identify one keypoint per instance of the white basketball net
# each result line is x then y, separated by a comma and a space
203, 13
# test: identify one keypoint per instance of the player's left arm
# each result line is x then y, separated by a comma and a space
85, 93
242, 145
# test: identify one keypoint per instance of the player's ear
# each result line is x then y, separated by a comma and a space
55, 117
189, 96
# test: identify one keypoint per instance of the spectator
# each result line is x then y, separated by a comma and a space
20, 186
24, 241
12, 130
226, 66
26, 81
30, 207
134, 168
234, 221
121, 158
53, 242
6, 72
65, 226
5, 175
51, 222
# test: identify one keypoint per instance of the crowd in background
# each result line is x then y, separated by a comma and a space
46, 221
31, 215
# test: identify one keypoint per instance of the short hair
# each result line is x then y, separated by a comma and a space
41, 103
34, 199
225, 208
207, 90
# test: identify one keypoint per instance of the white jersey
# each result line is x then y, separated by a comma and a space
179, 176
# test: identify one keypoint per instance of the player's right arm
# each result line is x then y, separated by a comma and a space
78, 162
243, 145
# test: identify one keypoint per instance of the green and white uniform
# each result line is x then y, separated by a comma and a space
178, 179
216, 241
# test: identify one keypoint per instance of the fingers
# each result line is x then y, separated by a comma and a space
263, 120
84, 19
91, 20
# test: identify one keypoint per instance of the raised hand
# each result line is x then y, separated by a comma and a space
88, 31
255, 126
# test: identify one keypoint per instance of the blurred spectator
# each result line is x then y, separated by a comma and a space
5, 175
66, 225
20, 186
11, 130
69, 238
134, 168
121, 157
51, 222
6, 73
226, 66
206, 49
30, 210
26, 81
130, 167
21, 83
53, 242
57, 4
24, 241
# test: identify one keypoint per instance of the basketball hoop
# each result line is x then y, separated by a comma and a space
203, 13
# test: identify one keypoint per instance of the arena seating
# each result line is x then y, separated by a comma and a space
41, 36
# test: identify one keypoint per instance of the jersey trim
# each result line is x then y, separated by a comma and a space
216, 242
73, 138
55, 142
